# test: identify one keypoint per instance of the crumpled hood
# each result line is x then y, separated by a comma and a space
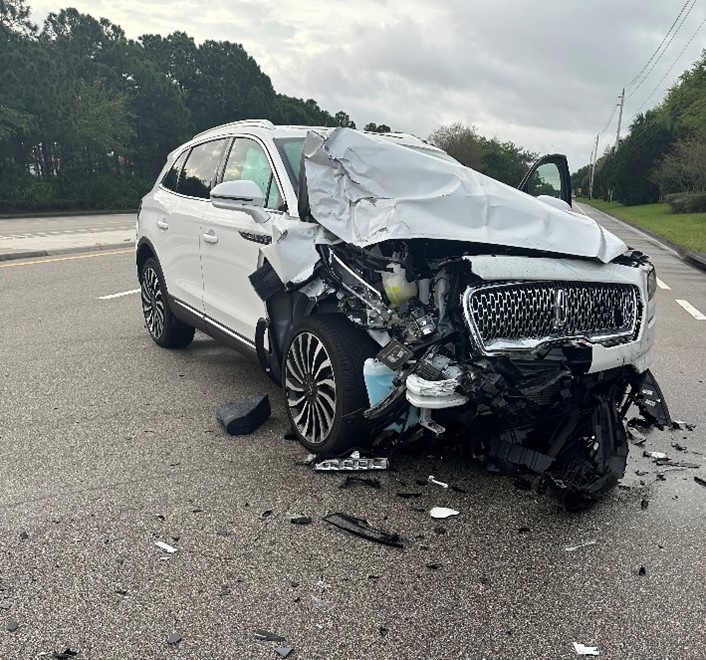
366, 189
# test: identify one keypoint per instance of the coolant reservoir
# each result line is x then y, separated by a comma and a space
379, 380
397, 288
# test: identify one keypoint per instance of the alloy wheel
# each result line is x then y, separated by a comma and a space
152, 302
310, 388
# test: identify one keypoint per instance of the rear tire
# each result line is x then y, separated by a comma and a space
324, 388
164, 328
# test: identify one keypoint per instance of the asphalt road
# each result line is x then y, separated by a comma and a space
109, 444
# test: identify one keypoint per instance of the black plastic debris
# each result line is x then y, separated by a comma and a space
244, 416
408, 496
440, 530
352, 480
11, 626
283, 651
266, 514
679, 447
645, 503
121, 592
65, 654
174, 638
265, 636
24, 536
700, 481
361, 528
641, 572
291, 434
458, 489
523, 530
522, 484
679, 425
300, 520
433, 567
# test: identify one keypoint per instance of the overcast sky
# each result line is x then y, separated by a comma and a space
542, 74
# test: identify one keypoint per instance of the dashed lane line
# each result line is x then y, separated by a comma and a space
662, 285
692, 310
119, 295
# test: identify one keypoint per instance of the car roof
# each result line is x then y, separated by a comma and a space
265, 127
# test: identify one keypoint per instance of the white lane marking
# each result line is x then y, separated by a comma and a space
119, 295
692, 310
662, 285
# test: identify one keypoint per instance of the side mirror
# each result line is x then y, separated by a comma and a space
243, 195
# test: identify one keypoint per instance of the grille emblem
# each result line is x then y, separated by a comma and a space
559, 296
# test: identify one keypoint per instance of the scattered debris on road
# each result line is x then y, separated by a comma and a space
352, 480
174, 638
5, 605
585, 650
641, 572
700, 481
353, 462
645, 503
283, 651
11, 625
679, 447
361, 528
299, 519
441, 512
166, 547
24, 536
244, 416
408, 496
65, 654
679, 425
656, 455
434, 481
578, 546
264, 636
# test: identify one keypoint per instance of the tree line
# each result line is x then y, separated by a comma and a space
87, 116
664, 155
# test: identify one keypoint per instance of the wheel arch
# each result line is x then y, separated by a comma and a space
144, 251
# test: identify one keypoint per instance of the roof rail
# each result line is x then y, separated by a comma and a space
245, 123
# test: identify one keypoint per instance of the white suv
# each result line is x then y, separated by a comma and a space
388, 288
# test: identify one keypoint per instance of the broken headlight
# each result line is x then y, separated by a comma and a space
651, 284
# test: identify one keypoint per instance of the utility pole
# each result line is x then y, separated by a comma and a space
620, 119
593, 167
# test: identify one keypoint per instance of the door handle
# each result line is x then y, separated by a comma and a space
210, 238
162, 224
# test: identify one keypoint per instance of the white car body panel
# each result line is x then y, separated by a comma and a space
228, 297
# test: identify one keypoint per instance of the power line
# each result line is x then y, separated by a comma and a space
612, 114
674, 34
634, 80
693, 36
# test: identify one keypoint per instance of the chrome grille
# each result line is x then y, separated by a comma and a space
522, 315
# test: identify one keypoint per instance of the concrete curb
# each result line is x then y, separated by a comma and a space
10, 256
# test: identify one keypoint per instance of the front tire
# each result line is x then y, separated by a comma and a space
164, 328
323, 384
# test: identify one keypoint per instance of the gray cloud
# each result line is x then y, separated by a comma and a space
544, 75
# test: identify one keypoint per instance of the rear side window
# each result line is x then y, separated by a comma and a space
171, 178
201, 169
248, 161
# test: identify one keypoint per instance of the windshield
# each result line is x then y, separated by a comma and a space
291, 151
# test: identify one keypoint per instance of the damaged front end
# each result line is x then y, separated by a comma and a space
521, 328
536, 374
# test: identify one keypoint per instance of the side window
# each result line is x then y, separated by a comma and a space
201, 169
248, 161
171, 178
